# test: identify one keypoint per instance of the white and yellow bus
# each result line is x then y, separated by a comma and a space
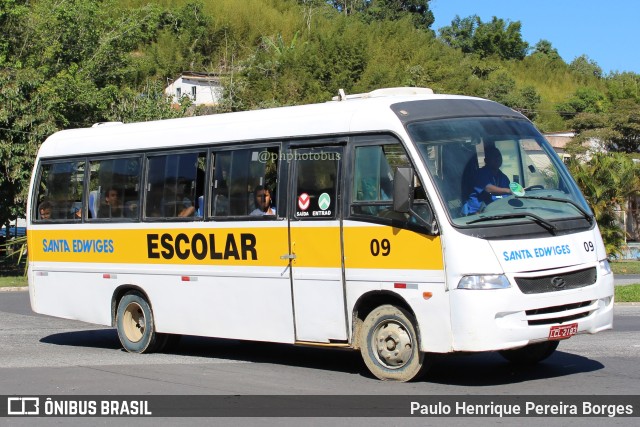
343, 224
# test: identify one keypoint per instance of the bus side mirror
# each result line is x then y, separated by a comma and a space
402, 190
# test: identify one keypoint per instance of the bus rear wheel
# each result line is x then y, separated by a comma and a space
135, 324
389, 345
530, 354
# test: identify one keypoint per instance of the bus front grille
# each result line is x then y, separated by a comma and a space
560, 313
557, 282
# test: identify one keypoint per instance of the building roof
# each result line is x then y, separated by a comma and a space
559, 140
205, 77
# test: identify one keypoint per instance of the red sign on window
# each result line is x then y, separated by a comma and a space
303, 201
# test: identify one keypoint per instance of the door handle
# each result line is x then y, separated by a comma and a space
289, 257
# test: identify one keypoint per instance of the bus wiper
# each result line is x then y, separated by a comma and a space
543, 222
584, 213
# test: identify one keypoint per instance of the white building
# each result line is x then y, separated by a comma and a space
201, 88
558, 141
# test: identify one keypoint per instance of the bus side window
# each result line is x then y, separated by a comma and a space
174, 184
114, 188
372, 187
317, 183
240, 178
60, 191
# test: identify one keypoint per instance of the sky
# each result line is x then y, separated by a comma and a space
608, 32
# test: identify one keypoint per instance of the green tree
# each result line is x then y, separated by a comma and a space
459, 35
527, 101
625, 121
12, 13
544, 49
417, 10
290, 72
616, 130
502, 88
198, 39
501, 38
624, 86
66, 66
584, 100
379, 10
147, 103
24, 123
608, 180
498, 37
584, 66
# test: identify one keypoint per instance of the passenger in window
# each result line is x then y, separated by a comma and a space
263, 202
175, 202
187, 209
111, 206
489, 183
44, 210
184, 205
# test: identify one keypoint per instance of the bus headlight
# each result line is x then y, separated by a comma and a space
495, 281
605, 268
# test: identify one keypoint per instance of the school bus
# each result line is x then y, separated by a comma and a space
378, 222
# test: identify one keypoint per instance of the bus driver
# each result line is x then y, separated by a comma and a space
489, 184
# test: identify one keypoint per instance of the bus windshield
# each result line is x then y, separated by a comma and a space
492, 171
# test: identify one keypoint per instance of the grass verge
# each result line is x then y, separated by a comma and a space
12, 281
629, 293
625, 267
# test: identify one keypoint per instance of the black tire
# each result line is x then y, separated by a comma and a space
530, 354
389, 345
136, 327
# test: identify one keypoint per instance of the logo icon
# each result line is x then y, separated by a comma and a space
558, 282
304, 201
324, 201
23, 406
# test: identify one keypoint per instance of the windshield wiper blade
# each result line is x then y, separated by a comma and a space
543, 222
584, 213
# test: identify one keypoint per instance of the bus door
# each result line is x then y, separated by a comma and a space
315, 244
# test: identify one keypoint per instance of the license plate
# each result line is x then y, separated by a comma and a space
562, 332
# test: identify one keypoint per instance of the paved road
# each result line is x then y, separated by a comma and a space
626, 279
49, 356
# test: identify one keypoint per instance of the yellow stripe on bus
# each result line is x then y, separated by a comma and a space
318, 247
391, 248
206, 246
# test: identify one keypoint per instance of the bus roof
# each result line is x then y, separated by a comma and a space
359, 113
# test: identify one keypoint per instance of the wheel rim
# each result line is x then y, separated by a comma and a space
392, 344
133, 322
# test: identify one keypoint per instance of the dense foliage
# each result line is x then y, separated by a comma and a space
71, 63
608, 180
497, 37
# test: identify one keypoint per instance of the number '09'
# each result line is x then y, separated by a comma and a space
382, 247
588, 246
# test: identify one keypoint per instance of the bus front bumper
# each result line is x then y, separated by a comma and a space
488, 320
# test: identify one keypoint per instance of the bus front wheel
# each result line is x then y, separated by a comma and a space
136, 328
530, 354
389, 344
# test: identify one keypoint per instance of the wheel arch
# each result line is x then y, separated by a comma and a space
368, 302
121, 291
